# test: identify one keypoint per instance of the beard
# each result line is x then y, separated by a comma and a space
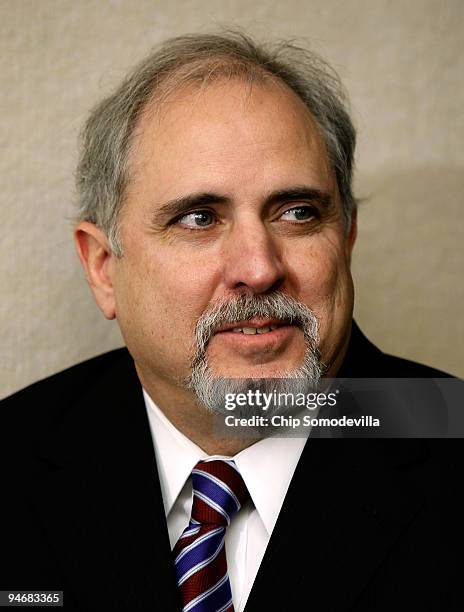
211, 390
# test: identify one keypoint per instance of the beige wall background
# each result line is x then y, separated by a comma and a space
403, 65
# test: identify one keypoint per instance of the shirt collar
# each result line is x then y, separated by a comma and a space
176, 455
269, 459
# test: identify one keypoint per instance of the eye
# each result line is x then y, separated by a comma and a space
197, 219
300, 213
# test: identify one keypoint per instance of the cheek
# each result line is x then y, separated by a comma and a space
317, 274
186, 284
167, 291
323, 280
160, 297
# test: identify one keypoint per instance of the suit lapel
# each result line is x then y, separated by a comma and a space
348, 502
101, 503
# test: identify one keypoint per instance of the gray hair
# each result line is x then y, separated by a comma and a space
103, 169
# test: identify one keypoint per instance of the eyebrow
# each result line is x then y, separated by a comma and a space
179, 206
300, 193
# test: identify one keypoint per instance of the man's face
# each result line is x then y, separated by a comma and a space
232, 193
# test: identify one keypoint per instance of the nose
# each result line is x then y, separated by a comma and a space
252, 259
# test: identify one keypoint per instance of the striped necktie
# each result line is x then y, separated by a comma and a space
201, 567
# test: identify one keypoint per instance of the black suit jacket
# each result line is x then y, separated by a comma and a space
367, 525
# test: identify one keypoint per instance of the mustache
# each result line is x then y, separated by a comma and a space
244, 307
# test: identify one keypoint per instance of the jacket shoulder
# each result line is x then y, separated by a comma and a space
54, 393
397, 367
365, 360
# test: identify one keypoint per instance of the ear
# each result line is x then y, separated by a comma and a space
352, 234
97, 260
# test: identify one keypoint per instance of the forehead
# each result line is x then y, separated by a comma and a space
228, 135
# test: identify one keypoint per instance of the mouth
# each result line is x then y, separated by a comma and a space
253, 327
258, 342
257, 335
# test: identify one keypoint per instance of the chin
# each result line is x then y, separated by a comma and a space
258, 371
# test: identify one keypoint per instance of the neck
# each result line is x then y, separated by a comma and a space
194, 421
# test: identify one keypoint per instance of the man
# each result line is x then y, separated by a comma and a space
217, 223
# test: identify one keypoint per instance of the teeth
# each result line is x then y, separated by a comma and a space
251, 331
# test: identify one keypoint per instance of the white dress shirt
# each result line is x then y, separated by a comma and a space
266, 467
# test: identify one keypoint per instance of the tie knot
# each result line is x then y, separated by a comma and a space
218, 492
